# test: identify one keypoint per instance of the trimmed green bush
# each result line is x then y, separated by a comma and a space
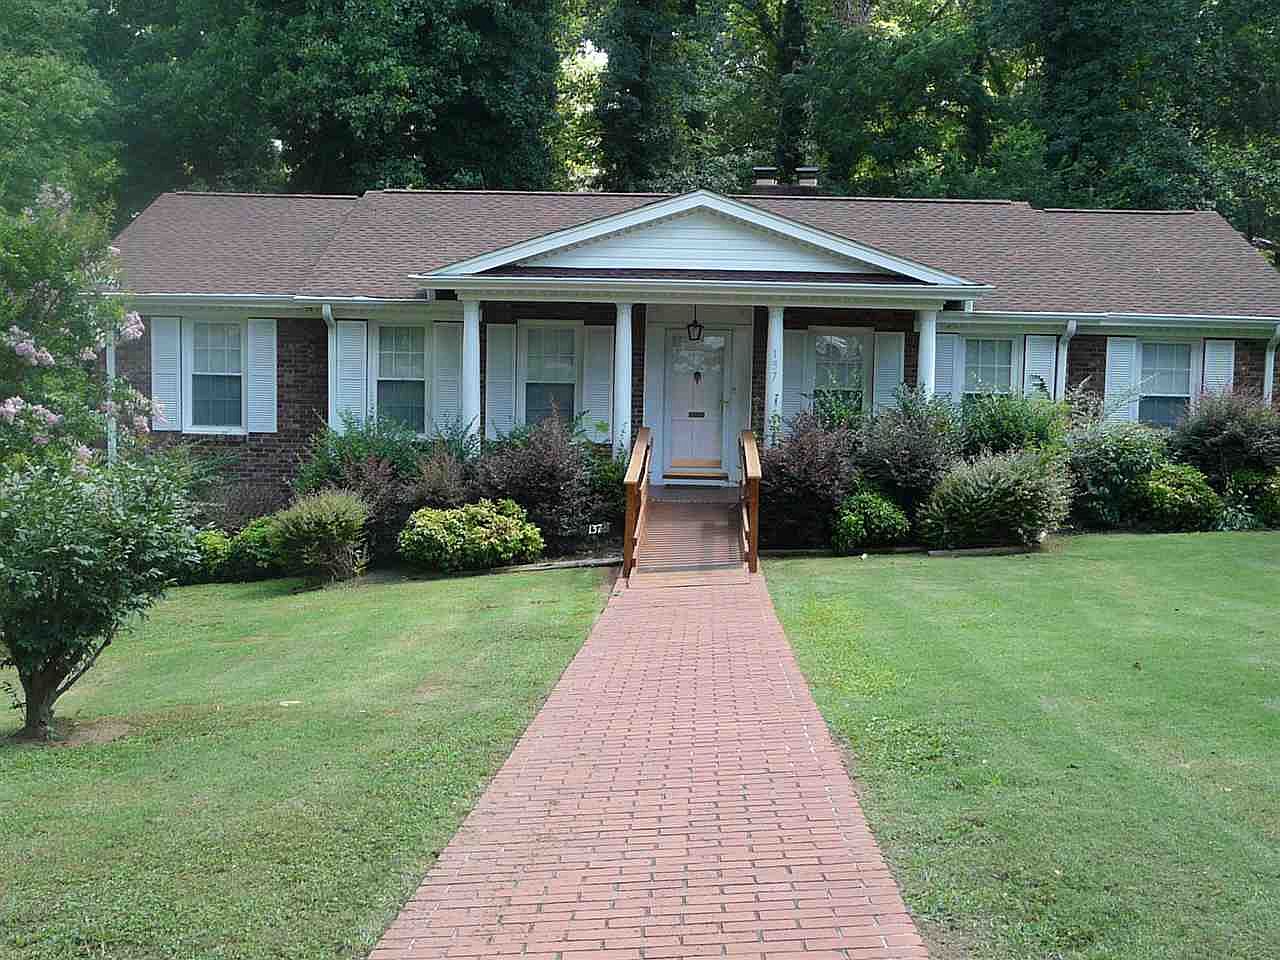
321, 536
1109, 464
253, 554
1177, 496
212, 547
997, 500
474, 537
607, 475
1001, 422
868, 519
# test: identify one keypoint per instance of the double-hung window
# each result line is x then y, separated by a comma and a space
988, 366
840, 367
217, 375
549, 360
1164, 392
402, 375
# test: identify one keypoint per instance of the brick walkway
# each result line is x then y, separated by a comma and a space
677, 796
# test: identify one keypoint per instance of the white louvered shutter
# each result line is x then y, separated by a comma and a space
350, 365
795, 348
260, 377
499, 380
446, 375
166, 372
1040, 364
945, 381
1121, 392
889, 368
1219, 366
597, 383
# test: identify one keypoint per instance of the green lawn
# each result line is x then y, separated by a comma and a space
1071, 754
226, 824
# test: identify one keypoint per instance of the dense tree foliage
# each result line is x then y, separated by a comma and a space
1130, 103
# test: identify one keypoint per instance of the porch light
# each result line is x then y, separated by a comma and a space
694, 329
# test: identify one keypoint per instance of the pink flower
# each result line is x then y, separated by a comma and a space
83, 454
51, 418
11, 408
88, 354
40, 440
44, 358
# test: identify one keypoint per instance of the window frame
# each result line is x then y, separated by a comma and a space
1195, 372
188, 335
868, 337
523, 326
374, 367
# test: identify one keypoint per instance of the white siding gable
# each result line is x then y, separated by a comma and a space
700, 240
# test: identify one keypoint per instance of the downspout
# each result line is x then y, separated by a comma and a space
1060, 375
326, 311
1269, 367
111, 389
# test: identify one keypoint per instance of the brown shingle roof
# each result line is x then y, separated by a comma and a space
229, 242
1073, 261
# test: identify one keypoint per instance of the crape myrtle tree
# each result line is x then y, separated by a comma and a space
84, 545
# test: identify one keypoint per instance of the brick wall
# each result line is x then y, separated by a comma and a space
302, 402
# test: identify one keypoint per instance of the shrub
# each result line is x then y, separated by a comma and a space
442, 480
253, 554
321, 536
868, 519
608, 472
1267, 501
1110, 463
1177, 496
474, 537
330, 452
1001, 422
995, 500
1222, 434
386, 494
80, 554
212, 549
905, 449
233, 505
804, 477
547, 472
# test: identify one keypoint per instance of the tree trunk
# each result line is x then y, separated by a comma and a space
40, 693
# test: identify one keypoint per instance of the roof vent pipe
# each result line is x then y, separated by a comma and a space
806, 176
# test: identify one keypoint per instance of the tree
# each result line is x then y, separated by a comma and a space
56, 318
81, 552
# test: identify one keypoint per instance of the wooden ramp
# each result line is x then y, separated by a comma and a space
688, 537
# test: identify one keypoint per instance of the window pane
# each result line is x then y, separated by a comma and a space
838, 364
551, 355
402, 352
1162, 411
215, 401
542, 400
404, 400
1166, 369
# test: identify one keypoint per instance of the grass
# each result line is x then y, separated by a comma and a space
1067, 755
293, 762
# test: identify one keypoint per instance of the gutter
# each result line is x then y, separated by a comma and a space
1269, 367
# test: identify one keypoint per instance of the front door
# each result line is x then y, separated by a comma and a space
696, 399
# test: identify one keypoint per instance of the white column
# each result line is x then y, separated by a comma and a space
471, 365
773, 373
927, 356
622, 380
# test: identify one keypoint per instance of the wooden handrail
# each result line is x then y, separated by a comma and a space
636, 483
749, 497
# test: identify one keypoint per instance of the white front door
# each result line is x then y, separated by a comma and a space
696, 399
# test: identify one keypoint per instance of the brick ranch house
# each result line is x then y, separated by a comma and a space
696, 315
